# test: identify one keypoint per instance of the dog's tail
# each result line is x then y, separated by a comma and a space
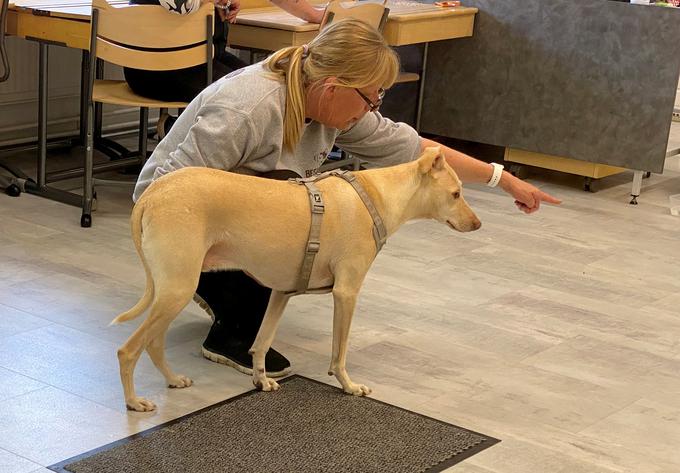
145, 301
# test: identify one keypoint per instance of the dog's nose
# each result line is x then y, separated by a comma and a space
476, 224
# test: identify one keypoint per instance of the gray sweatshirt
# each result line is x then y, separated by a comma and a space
236, 124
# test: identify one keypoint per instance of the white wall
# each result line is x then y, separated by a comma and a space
19, 94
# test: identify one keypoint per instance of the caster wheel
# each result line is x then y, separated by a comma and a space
86, 221
13, 190
633, 201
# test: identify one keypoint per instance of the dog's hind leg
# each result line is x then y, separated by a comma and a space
156, 351
345, 291
164, 309
264, 339
175, 280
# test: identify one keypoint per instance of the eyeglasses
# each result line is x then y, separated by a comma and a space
373, 107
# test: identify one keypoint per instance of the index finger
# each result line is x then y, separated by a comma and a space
545, 197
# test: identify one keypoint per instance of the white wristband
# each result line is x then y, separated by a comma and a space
496, 176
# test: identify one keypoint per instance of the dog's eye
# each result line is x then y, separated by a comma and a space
456, 195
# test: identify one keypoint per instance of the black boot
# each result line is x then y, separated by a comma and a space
237, 304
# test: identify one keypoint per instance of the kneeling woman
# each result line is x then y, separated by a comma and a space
283, 116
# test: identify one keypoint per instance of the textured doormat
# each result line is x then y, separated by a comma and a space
306, 426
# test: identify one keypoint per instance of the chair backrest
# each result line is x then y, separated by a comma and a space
4, 4
150, 37
375, 14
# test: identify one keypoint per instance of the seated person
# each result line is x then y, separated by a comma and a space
183, 85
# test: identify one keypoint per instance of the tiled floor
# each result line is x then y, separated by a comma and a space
558, 333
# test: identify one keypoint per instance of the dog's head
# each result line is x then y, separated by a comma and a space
443, 192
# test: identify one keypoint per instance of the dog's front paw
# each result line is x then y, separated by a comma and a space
266, 384
358, 390
179, 381
140, 404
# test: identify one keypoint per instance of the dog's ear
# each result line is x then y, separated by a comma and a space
431, 158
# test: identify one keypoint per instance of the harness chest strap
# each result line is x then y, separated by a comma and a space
317, 208
314, 240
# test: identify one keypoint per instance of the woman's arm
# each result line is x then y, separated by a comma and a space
527, 197
301, 9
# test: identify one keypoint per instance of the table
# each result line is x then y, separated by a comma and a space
67, 23
60, 23
269, 28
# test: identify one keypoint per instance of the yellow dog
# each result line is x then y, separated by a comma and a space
200, 219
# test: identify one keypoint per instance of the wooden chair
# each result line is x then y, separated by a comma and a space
375, 14
143, 37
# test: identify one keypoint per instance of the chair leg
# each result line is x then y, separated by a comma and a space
88, 185
143, 133
356, 163
163, 116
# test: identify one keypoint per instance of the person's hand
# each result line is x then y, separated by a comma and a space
233, 11
227, 9
222, 8
527, 197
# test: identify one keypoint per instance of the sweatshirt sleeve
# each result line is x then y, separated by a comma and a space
379, 140
181, 6
220, 138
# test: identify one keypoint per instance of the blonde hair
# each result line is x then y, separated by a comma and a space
350, 50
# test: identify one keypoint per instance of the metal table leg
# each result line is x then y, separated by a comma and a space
421, 87
637, 186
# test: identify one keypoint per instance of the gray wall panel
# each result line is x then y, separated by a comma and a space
588, 79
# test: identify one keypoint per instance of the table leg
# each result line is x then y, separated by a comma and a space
39, 187
43, 52
421, 88
637, 186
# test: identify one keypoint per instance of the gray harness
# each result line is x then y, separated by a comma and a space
316, 205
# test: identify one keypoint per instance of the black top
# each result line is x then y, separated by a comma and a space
220, 29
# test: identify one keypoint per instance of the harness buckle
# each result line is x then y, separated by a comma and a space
313, 247
318, 206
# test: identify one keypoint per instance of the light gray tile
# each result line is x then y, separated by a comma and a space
468, 467
50, 425
555, 332
11, 463
552, 314
13, 384
609, 365
517, 456
13, 321
642, 427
